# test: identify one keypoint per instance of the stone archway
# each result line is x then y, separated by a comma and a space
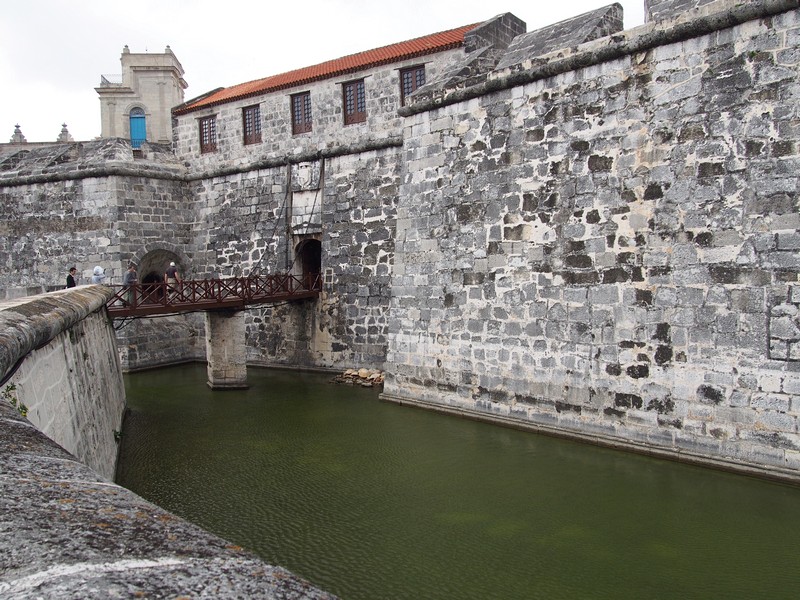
171, 339
153, 264
309, 257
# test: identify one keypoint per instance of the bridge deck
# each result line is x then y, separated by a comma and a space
150, 299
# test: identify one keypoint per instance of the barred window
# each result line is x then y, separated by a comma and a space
301, 113
355, 102
410, 80
251, 121
208, 134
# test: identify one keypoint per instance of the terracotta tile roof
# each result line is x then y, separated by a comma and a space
429, 44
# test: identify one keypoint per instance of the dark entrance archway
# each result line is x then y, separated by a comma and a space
152, 277
309, 257
153, 265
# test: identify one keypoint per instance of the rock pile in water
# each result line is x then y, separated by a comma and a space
362, 377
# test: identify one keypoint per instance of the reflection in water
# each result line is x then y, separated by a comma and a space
371, 500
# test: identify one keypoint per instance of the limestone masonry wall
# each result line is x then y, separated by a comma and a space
86, 204
68, 380
352, 199
611, 251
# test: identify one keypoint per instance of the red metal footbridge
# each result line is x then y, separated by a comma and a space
150, 299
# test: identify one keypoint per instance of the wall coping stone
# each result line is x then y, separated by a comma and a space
160, 172
29, 323
302, 157
108, 170
719, 15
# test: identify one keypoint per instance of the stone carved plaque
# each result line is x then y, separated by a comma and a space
305, 176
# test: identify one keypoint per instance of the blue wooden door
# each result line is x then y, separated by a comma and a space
138, 127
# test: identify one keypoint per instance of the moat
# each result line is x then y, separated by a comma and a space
369, 500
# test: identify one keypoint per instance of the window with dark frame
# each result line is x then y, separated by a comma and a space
301, 113
208, 134
411, 79
355, 102
251, 122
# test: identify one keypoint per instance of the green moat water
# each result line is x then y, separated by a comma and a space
371, 500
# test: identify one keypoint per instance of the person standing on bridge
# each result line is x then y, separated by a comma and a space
129, 281
172, 277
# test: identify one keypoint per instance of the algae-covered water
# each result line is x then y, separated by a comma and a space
370, 500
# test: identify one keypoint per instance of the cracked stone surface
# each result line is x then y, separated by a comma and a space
65, 532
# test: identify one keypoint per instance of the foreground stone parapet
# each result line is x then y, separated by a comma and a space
67, 533
59, 365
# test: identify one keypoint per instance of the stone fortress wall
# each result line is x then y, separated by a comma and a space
354, 226
587, 231
337, 185
91, 203
610, 249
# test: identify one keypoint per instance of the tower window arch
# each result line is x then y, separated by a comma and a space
138, 127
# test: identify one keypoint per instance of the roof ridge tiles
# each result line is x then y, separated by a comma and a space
420, 46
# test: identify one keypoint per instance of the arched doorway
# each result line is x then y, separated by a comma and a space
309, 257
151, 270
138, 127
152, 292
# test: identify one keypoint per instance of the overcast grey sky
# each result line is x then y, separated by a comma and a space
52, 52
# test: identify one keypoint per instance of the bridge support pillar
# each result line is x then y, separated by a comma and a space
225, 350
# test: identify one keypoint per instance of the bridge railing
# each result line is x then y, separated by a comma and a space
209, 294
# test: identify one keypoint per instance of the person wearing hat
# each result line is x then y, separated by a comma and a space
98, 275
171, 276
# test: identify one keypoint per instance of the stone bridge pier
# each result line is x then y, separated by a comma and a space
225, 350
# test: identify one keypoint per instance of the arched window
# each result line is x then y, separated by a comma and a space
138, 127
